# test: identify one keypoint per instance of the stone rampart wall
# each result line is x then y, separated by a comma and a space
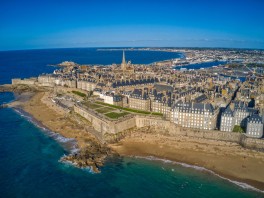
110, 128
105, 126
26, 81
166, 127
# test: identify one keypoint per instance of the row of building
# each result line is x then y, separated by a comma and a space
196, 99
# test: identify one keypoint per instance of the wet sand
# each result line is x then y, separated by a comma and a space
229, 160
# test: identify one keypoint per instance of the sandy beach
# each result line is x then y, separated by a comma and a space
229, 160
43, 110
224, 158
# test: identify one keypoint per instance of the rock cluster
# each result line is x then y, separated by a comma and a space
92, 156
20, 88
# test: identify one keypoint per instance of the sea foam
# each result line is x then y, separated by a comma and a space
69, 144
199, 168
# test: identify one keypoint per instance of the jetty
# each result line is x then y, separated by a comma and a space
3, 106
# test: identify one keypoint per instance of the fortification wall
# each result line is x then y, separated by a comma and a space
117, 127
165, 127
46, 81
26, 81
113, 129
105, 126
88, 86
97, 123
257, 144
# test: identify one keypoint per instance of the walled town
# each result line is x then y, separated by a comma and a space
228, 97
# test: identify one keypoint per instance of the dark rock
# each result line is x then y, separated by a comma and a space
93, 156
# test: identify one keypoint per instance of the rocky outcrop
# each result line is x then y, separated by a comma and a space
20, 88
93, 156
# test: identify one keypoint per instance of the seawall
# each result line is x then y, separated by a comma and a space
168, 128
112, 130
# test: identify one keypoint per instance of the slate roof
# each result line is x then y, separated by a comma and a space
131, 82
201, 98
189, 107
137, 93
255, 118
228, 112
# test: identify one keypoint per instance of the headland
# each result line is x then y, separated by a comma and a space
139, 110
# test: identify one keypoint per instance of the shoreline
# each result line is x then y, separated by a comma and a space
90, 152
69, 144
221, 164
201, 169
145, 144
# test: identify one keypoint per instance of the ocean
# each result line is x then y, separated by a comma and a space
28, 63
201, 65
30, 155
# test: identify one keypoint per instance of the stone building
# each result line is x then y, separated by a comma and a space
107, 97
238, 116
162, 104
118, 100
227, 120
241, 112
72, 83
194, 115
47, 80
254, 126
86, 85
139, 99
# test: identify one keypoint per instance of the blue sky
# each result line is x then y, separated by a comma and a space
31, 24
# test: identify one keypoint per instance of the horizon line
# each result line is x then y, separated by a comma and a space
130, 47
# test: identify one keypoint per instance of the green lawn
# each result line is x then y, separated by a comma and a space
91, 105
156, 113
238, 129
115, 115
104, 110
136, 111
128, 109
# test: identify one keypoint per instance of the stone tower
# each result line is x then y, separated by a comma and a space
123, 64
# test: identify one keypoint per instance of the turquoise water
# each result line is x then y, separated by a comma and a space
30, 167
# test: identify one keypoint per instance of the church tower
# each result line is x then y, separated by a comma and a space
123, 64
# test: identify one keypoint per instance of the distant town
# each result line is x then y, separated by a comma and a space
227, 96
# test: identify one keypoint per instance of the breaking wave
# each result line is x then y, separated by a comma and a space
69, 144
199, 168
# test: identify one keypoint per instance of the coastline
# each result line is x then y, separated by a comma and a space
87, 150
243, 165
69, 144
225, 159
50, 116
202, 169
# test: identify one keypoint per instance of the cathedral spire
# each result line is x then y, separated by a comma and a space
123, 64
124, 58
